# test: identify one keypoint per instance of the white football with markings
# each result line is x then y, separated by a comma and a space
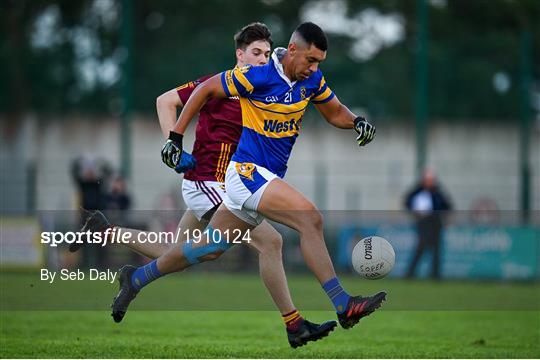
373, 257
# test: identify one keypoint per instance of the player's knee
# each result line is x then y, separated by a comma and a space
309, 215
273, 245
317, 219
312, 220
277, 242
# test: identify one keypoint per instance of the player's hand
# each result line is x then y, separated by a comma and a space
172, 150
187, 162
366, 131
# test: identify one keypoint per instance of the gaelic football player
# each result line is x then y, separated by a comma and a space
273, 100
217, 134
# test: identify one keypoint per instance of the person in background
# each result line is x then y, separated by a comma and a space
90, 176
118, 198
429, 205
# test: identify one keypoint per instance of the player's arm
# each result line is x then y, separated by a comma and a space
166, 106
172, 150
235, 82
336, 113
340, 116
210, 89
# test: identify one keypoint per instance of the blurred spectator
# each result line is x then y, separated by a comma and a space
118, 198
117, 201
429, 205
90, 176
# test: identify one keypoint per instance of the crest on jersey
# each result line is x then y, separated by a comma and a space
302, 92
246, 170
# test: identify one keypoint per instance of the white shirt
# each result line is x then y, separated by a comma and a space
422, 202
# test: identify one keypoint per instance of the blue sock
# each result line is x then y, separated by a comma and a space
145, 275
335, 292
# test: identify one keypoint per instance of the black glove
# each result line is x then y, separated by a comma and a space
366, 131
172, 150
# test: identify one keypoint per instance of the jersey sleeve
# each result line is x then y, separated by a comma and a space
243, 81
184, 91
324, 94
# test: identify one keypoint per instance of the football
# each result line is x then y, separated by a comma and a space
373, 257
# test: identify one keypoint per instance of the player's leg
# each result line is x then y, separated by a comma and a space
191, 220
256, 191
268, 242
97, 222
202, 198
209, 246
202, 202
188, 223
177, 257
282, 203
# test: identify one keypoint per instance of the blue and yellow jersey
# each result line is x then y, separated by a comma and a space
272, 110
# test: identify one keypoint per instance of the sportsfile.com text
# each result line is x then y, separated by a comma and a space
119, 236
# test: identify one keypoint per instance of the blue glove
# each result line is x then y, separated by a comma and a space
187, 162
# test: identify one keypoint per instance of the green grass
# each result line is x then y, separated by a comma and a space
442, 327
234, 334
226, 291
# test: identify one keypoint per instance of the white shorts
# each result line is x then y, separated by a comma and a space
245, 184
202, 196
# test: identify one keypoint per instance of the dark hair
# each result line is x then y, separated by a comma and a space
252, 32
313, 34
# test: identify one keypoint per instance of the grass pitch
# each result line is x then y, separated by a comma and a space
398, 331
